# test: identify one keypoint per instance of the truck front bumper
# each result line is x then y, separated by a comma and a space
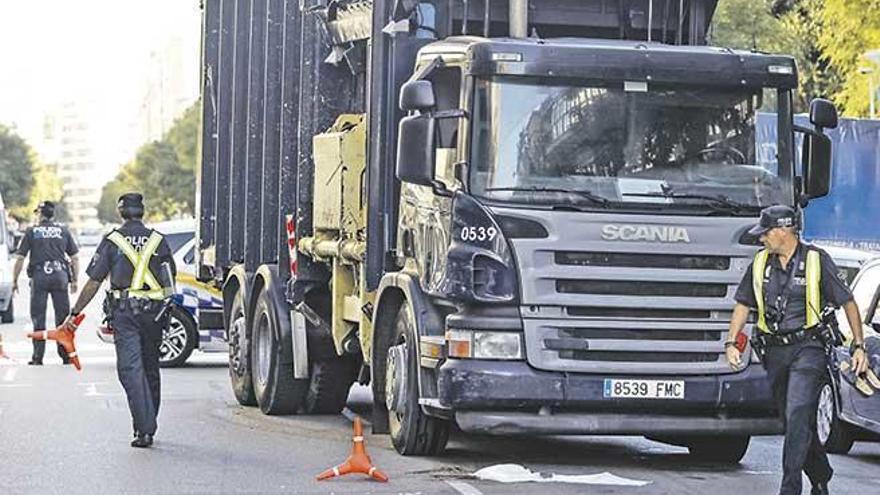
511, 397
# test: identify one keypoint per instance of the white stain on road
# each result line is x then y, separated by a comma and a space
515, 473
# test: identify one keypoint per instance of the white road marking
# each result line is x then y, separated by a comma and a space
463, 488
10, 374
91, 390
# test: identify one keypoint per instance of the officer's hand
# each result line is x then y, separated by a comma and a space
73, 287
860, 361
734, 358
68, 324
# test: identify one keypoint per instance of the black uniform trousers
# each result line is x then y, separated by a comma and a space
797, 373
43, 284
137, 340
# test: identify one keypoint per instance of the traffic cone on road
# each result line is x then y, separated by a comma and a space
63, 337
2, 353
358, 461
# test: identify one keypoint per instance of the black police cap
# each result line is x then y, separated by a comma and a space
775, 216
45, 208
130, 200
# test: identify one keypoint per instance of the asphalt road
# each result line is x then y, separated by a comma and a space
68, 432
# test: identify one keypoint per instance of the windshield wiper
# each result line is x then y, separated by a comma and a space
720, 201
595, 198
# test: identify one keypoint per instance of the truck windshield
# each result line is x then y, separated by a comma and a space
632, 145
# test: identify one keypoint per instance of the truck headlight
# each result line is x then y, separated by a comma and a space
471, 344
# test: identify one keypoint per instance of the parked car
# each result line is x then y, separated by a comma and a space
7, 306
196, 313
845, 414
848, 260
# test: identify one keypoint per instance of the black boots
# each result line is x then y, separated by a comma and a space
142, 441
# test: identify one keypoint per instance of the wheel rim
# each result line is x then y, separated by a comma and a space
264, 348
395, 379
236, 349
825, 414
174, 339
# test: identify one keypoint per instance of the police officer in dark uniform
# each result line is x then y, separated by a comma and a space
53, 268
789, 284
141, 269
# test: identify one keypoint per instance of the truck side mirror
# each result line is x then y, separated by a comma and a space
415, 149
823, 114
417, 95
816, 162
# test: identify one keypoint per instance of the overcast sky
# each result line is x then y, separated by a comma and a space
59, 50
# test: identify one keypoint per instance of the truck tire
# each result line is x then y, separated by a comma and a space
412, 431
8, 316
179, 338
833, 433
277, 392
723, 449
329, 385
239, 353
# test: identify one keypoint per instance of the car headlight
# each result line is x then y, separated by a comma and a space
472, 344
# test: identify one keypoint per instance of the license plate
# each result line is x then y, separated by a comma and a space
643, 389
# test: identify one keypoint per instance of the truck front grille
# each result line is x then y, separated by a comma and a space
639, 260
640, 357
640, 288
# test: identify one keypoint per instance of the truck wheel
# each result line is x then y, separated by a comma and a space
724, 450
833, 433
239, 353
179, 338
276, 390
9, 315
412, 431
330, 382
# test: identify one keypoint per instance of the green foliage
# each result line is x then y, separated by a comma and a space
163, 171
16, 169
47, 187
852, 27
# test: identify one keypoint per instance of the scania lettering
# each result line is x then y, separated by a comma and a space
488, 209
644, 233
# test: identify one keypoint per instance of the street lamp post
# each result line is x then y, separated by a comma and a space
869, 72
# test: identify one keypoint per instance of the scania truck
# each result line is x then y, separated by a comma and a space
520, 216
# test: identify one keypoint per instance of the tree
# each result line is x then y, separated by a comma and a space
851, 27
16, 169
47, 187
164, 171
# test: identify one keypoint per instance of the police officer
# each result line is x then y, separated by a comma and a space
141, 269
50, 246
788, 285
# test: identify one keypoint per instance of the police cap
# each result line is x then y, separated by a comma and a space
46, 209
130, 205
775, 216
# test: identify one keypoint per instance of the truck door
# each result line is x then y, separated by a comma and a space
425, 219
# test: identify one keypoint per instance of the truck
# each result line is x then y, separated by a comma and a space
522, 217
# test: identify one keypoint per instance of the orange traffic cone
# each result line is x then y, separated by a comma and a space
63, 337
2, 353
358, 461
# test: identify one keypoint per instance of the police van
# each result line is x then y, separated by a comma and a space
7, 309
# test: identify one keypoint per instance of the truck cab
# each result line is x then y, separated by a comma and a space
578, 214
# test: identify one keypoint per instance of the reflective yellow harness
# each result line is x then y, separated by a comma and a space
141, 263
814, 280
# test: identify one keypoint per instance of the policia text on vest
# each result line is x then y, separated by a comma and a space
788, 285
133, 256
53, 267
